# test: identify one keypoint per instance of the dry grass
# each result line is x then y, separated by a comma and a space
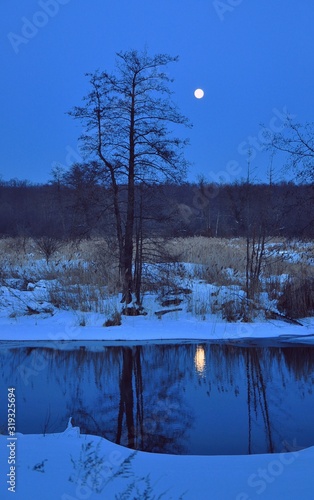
83, 274
217, 252
213, 258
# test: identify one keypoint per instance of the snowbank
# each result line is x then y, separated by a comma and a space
65, 326
70, 466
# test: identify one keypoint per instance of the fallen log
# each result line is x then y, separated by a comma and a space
285, 318
159, 314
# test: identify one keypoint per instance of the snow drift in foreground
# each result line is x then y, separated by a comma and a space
70, 466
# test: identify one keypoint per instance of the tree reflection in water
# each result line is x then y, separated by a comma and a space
143, 406
185, 398
155, 416
256, 398
126, 405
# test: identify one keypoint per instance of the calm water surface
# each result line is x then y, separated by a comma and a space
200, 398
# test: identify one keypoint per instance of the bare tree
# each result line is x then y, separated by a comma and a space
255, 242
297, 142
48, 246
88, 201
126, 119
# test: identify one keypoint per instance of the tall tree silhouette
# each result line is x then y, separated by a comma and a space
126, 118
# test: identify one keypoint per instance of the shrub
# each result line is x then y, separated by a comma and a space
48, 246
297, 299
115, 319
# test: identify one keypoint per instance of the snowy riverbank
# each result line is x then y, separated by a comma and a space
70, 466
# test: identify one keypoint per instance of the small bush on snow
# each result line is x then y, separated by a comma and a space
297, 299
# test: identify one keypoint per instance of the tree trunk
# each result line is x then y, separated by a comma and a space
138, 264
126, 405
129, 225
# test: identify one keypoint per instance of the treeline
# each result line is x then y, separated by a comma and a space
85, 209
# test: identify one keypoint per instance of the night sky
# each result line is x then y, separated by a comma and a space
253, 59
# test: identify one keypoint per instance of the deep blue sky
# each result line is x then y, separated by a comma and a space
253, 59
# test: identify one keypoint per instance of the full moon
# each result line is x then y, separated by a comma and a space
199, 93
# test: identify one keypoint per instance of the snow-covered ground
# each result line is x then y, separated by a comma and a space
71, 466
27, 314
65, 326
